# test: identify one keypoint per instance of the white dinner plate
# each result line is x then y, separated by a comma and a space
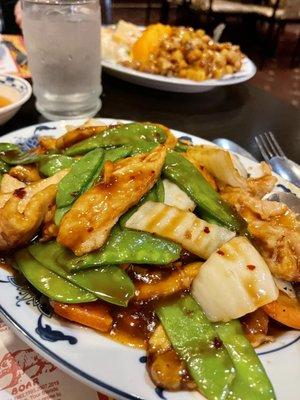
181, 85
101, 363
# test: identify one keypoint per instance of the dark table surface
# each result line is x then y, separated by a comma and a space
236, 112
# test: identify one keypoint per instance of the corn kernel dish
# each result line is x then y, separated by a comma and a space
170, 51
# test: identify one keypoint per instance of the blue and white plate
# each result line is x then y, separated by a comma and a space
101, 363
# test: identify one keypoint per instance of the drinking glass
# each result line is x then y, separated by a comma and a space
62, 38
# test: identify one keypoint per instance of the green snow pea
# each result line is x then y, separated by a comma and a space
125, 246
195, 340
181, 146
160, 191
87, 180
109, 283
4, 147
4, 167
182, 172
81, 176
21, 158
49, 283
251, 381
141, 146
117, 153
53, 163
120, 135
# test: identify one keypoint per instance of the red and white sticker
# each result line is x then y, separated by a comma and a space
25, 375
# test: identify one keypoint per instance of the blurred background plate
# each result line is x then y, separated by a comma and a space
181, 85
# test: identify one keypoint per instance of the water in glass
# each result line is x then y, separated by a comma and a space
63, 43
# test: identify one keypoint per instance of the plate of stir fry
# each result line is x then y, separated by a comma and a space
149, 263
177, 59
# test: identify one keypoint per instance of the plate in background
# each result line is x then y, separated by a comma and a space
181, 85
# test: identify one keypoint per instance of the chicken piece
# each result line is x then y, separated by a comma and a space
171, 140
274, 228
17, 228
25, 173
23, 211
28, 193
87, 225
10, 184
178, 281
50, 229
256, 326
77, 134
280, 247
259, 187
46, 143
242, 200
165, 368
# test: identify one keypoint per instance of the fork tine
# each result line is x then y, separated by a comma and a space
261, 147
269, 141
267, 145
275, 145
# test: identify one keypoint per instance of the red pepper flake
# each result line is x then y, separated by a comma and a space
20, 193
218, 343
251, 267
206, 229
90, 229
221, 252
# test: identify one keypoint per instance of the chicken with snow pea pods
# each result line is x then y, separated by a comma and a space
158, 244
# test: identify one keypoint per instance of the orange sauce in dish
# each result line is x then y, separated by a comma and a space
4, 101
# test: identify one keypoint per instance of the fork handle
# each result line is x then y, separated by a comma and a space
287, 169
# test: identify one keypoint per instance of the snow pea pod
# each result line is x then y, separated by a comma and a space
49, 283
21, 158
4, 147
182, 172
109, 283
120, 135
160, 191
53, 163
251, 381
4, 167
125, 246
81, 176
195, 340
181, 146
86, 175
117, 153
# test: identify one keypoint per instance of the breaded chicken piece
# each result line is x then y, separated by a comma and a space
87, 225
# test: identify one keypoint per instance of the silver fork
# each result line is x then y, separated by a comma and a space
274, 155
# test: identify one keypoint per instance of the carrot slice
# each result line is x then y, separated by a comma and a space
95, 315
284, 310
